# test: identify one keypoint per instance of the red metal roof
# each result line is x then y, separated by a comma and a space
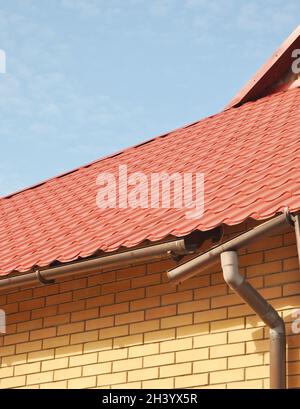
250, 157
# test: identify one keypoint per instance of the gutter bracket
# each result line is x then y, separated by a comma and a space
176, 257
43, 280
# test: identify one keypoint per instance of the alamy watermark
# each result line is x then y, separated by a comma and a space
152, 191
2, 322
2, 62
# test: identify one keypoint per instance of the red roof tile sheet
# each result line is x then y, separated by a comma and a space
250, 158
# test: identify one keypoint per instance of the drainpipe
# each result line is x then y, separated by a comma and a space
173, 249
227, 252
265, 311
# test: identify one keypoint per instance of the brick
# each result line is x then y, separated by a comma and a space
54, 385
131, 272
28, 347
227, 376
143, 374
32, 304
265, 268
40, 377
177, 298
245, 335
129, 317
111, 379
159, 289
176, 345
177, 321
13, 360
291, 289
250, 259
100, 301
85, 314
30, 325
280, 253
56, 342
143, 350
257, 346
113, 332
16, 338
59, 298
130, 295
192, 330
68, 373
195, 282
6, 372
245, 360
19, 296
99, 323
257, 372
52, 364
72, 284
227, 325
146, 281
71, 306
81, 360
246, 385
27, 368
161, 335
83, 383
192, 306
12, 382
127, 364
159, 359
97, 369
114, 355
209, 365
98, 345
175, 370
101, 278
145, 303
211, 315
210, 339
128, 385
239, 310
18, 317
44, 312
84, 293
145, 326
192, 355
191, 381
83, 337
68, 350
43, 333
70, 328
128, 341
160, 312
41, 355
167, 383
227, 350
114, 309
115, 287
212, 291
225, 300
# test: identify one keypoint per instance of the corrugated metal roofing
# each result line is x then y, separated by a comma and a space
250, 158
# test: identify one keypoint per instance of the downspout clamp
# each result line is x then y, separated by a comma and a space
228, 253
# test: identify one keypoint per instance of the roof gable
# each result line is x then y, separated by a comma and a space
275, 75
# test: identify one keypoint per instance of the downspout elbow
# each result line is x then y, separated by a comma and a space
230, 267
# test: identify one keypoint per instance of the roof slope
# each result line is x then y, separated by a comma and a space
250, 157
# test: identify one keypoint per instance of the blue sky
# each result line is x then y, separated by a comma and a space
86, 78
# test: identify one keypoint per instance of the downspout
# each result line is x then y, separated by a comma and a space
265, 311
227, 252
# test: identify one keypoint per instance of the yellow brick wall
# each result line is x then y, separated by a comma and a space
130, 328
